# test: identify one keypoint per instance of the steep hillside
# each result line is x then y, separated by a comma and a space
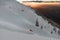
50, 10
19, 22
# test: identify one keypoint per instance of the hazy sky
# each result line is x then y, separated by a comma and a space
37, 0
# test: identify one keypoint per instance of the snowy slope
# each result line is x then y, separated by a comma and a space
18, 22
9, 35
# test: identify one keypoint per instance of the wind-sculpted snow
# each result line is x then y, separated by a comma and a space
16, 17
13, 28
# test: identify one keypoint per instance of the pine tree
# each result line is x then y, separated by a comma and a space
37, 23
59, 31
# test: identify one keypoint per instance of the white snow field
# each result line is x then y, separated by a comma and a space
19, 22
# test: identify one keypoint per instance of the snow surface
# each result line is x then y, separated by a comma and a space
17, 22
